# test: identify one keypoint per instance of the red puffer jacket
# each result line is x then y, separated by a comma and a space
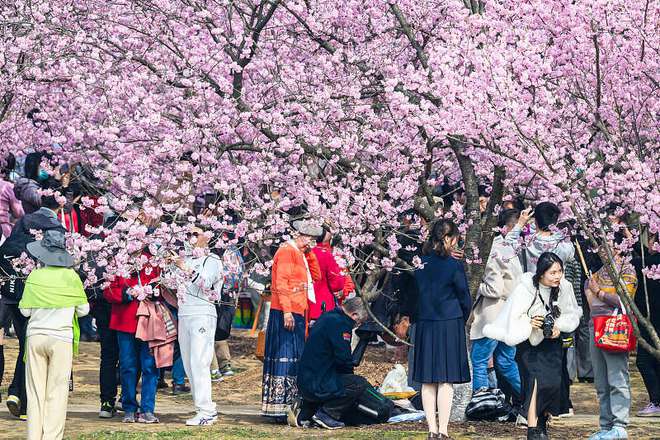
123, 315
332, 280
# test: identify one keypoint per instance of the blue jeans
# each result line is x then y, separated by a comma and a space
504, 360
178, 373
86, 327
134, 354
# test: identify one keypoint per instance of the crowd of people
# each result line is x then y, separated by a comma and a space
532, 322
530, 309
532, 325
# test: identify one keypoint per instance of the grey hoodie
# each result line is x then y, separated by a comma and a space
536, 245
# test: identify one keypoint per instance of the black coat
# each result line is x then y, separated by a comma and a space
16, 244
40, 220
652, 286
326, 356
403, 282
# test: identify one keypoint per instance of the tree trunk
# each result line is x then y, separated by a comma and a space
478, 241
473, 216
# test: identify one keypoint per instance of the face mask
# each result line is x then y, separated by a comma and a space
43, 176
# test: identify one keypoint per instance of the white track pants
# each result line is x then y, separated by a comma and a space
196, 335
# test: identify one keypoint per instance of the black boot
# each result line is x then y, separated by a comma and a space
534, 434
543, 426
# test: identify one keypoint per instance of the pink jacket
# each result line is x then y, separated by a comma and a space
9, 204
332, 280
157, 327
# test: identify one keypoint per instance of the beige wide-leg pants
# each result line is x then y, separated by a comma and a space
47, 373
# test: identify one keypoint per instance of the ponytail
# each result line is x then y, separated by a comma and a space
436, 241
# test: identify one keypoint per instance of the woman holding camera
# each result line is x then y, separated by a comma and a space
541, 307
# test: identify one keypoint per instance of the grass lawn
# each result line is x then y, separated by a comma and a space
231, 433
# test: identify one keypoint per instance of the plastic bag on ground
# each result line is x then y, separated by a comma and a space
396, 381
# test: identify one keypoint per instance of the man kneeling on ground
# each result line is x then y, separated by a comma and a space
326, 383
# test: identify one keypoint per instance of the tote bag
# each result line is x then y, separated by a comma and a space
614, 333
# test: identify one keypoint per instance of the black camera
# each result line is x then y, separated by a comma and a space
548, 325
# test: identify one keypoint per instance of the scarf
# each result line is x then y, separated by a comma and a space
55, 288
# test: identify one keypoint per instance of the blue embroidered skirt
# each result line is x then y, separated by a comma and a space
281, 355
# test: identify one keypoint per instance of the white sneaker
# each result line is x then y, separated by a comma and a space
521, 420
202, 420
616, 433
570, 413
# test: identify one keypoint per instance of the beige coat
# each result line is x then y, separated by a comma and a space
503, 270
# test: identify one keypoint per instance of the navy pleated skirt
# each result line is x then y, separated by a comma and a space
441, 352
281, 355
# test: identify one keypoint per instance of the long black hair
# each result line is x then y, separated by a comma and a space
32, 164
8, 166
321, 237
546, 261
436, 242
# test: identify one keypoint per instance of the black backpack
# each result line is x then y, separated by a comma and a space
372, 408
488, 405
13, 282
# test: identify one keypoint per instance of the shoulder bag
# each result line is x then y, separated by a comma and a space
260, 349
614, 333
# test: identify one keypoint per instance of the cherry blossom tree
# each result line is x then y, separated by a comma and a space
351, 112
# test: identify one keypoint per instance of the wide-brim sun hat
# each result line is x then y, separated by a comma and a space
51, 250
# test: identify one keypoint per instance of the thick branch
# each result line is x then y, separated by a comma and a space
407, 30
358, 291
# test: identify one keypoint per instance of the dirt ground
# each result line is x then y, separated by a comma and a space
238, 398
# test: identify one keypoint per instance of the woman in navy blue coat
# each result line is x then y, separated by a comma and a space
443, 306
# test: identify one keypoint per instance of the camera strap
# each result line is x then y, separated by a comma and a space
538, 295
547, 308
